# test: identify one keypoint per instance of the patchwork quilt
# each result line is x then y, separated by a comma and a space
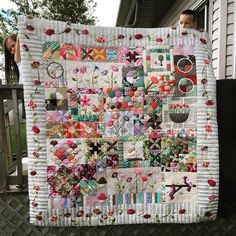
121, 124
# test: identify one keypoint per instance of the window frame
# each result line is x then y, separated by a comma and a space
206, 5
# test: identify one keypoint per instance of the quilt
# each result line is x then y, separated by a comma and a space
121, 124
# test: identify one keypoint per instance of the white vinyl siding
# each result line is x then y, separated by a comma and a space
230, 40
215, 35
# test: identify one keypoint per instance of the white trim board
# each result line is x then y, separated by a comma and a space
210, 18
197, 4
222, 39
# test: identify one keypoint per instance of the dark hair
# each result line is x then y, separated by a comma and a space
11, 68
191, 13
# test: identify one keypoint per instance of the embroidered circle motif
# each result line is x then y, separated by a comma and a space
185, 85
185, 65
55, 70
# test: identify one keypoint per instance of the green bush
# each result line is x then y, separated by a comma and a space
22, 136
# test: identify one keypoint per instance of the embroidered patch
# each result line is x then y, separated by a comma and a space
136, 181
158, 60
94, 75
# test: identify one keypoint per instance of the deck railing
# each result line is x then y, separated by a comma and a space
11, 175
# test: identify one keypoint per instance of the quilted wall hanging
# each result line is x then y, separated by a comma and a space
121, 124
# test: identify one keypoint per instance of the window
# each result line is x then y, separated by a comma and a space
203, 16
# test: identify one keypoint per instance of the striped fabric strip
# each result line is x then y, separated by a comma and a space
134, 198
140, 197
148, 197
119, 199
127, 198
65, 202
55, 46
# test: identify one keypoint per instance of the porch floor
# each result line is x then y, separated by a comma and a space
14, 220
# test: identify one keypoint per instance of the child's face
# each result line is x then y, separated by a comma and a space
187, 21
11, 45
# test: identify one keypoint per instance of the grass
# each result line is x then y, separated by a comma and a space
22, 136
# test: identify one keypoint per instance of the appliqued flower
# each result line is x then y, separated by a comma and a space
35, 154
146, 216
39, 217
211, 182
35, 129
33, 173
30, 27
208, 128
36, 188
49, 31
120, 36
84, 31
82, 69
144, 178
138, 172
138, 36
203, 41
205, 164
182, 211
110, 123
85, 101
100, 40
159, 40
209, 103
114, 68
130, 211
154, 79
208, 214
34, 204
25, 47
54, 218
212, 197
80, 213
67, 30
37, 82
32, 105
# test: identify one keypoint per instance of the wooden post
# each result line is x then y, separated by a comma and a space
8, 141
3, 160
8, 106
18, 139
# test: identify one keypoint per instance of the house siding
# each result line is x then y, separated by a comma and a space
230, 40
215, 35
217, 19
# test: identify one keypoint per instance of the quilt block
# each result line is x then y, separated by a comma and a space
121, 124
